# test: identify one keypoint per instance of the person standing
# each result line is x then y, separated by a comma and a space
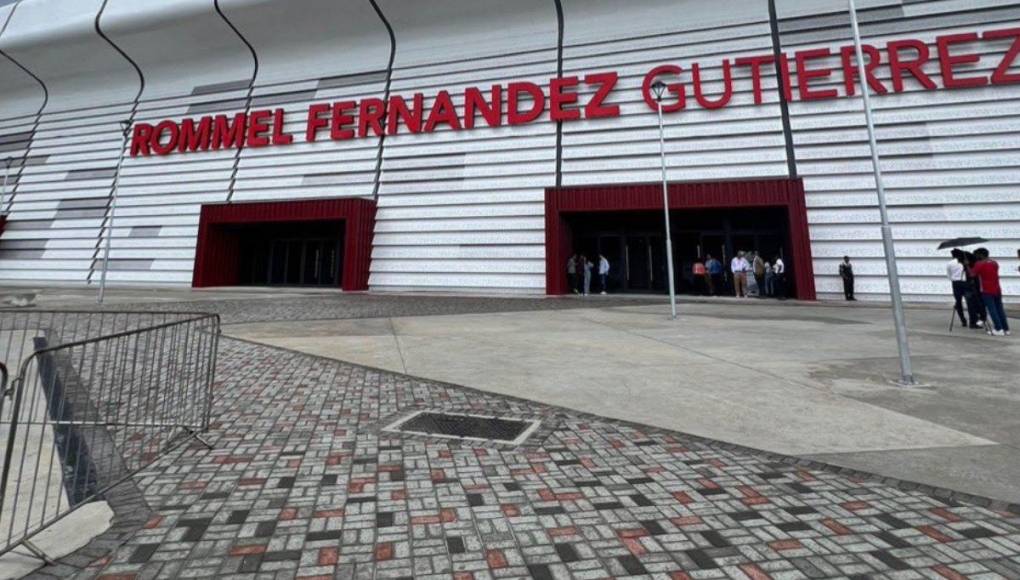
715, 275
572, 273
779, 270
974, 301
758, 265
604, 273
739, 267
587, 265
987, 271
846, 272
770, 279
700, 275
957, 274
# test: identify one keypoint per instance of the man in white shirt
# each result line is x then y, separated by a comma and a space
779, 271
963, 290
739, 266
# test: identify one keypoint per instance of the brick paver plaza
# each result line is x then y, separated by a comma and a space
302, 483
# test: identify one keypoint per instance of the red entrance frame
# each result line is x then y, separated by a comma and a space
217, 255
785, 193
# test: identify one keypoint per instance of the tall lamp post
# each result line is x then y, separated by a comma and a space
3, 190
906, 370
658, 89
125, 128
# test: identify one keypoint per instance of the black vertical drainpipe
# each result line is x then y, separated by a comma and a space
784, 106
386, 96
38, 114
131, 122
559, 74
248, 98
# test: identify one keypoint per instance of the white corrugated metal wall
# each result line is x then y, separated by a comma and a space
462, 210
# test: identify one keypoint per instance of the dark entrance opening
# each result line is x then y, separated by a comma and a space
634, 243
325, 242
291, 254
625, 223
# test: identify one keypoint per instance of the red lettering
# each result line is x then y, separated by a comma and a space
257, 127
140, 139
279, 137
756, 62
492, 111
915, 67
398, 111
227, 134
159, 147
874, 58
340, 119
442, 111
315, 120
805, 76
1002, 76
677, 89
514, 115
948, 61
193, 139
605, 82
558, 98
727, 87
370, 114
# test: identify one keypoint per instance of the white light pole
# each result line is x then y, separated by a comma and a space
659, 88
126, 128
906, 370
3, 190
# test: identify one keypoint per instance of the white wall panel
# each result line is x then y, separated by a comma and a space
447, 191
463, 210
20, 94
949, 157
91, 88
179, 45
57, 41
343, 54
334, 37
741, 140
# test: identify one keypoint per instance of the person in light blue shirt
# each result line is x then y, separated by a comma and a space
715, 274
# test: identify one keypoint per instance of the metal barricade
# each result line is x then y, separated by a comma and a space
97, 396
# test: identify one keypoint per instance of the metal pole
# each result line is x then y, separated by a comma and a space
906, 370
3, 191
665, 206
126, 126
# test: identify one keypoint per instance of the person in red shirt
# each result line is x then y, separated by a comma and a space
987, 272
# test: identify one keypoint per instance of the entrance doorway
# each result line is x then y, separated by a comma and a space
321, 242
289, 254
635, 245
625, 224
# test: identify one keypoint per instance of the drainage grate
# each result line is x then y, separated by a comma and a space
463, 426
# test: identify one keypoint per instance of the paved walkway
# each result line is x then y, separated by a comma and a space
302, 482
802, 380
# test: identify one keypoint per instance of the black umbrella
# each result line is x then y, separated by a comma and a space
961, 242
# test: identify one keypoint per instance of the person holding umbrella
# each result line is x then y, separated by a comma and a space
964, 289
970, 285
987, 271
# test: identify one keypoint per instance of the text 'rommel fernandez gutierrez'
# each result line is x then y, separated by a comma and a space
953, 61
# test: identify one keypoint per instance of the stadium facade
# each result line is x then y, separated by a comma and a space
473, 146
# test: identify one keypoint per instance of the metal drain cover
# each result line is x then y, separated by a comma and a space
463, 426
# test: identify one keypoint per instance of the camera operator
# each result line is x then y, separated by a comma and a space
972, 292
964, 288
